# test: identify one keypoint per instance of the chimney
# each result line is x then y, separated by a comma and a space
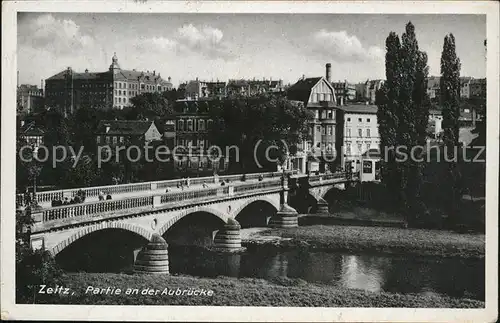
86, 70
329, 72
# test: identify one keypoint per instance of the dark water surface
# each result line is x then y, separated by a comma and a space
372, 272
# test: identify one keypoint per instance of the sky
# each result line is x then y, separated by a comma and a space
230, 46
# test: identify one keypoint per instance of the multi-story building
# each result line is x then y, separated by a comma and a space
465, 87
29, 98
69, 90
126, 132
344, 92
370, 90
433, 87
254, 87
201, 89
478, 88
186, 134
361, 145
31, 133
320, 152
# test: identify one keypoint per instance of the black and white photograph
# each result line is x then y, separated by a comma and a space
250, 161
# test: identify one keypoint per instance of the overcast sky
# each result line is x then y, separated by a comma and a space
223, 46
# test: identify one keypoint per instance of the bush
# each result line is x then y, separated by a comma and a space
34, 268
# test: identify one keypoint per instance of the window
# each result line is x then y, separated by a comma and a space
368, 133
318, 128
116, 92
359, 148
181, 125
98, 139
190, 125
201, 124
360, 132
348, 149
209, 124
121, 139
125, 100
359, 120
330, 130
200, 142
323, 130
348, 132
368, 120
107, 139
348, 119
330, 114
323, 114
114, 140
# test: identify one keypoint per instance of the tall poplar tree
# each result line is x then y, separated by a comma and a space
450, 97
387, 102
403, 114
450, 92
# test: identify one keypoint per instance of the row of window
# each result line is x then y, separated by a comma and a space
318, 97
120, 100
135, 86
360, 132
359, 146
359, 119
109, 139
323, 129
193, 143
190, 125
326, 114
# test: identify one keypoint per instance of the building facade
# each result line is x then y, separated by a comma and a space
478, 88
197, 89
433, 87
370, 90
31, 133
69, 90
186, 135
361, 137
126, 132
30, 98
320, 152
254, 87
344, 91
435, 123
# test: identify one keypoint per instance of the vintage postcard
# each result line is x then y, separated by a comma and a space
250, 161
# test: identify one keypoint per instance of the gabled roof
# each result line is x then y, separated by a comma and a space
136, 75
31, 129
124, 127
80, 76
359, 108
301, 90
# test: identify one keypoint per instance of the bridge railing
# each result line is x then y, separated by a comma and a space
101, 207
48, 196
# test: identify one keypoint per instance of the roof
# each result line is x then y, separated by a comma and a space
301, 90
80, 76
135, 75
124, 127
359, 108
31, 129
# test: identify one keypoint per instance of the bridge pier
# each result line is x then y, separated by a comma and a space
153, 258
322, 206
286, 217
229, 237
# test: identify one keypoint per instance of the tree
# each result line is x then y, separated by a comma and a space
150, 106
450, 101
387, 100
450, 92
258, 126
403, 115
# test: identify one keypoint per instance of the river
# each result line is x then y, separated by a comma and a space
371, 272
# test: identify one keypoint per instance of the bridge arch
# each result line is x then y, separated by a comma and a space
101, 226
189, 211
275, 203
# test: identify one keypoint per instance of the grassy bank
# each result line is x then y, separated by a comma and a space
377, 239
238, 292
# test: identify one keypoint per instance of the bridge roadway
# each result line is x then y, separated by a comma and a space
53, 217
124, 191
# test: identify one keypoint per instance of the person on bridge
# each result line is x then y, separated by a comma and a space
101, 196
188, 182
261, 178
205, 185
27, 198
222, 183
166, 191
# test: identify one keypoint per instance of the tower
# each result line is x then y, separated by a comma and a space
114, 67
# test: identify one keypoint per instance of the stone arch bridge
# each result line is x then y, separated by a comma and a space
151, 217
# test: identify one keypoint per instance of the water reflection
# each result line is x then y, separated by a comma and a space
454, 277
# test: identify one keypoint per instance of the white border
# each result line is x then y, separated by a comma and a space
217, 313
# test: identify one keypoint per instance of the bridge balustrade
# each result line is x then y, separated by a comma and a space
48, 196
96, 208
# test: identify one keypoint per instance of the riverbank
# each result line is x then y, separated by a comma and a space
419, 242
228, 291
